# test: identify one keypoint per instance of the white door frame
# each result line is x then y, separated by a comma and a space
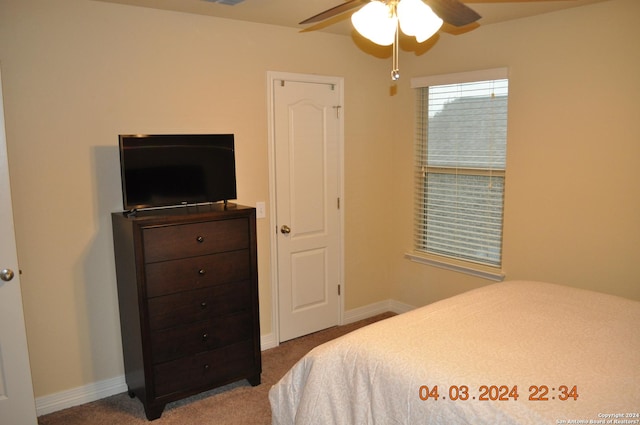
272, 77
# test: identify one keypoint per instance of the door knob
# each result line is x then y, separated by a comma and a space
285, 230
6, 275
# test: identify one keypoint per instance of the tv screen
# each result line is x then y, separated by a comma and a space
176, 169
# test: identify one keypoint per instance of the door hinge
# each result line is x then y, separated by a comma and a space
338, 290
337, 108
338, 203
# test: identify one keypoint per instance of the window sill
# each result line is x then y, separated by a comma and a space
476, 270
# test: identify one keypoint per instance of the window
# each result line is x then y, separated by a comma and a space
461, 148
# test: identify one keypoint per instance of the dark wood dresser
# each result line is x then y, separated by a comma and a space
188, 295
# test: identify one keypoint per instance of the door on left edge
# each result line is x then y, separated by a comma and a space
17, 406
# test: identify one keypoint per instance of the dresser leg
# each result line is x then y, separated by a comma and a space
153, 412
254, 380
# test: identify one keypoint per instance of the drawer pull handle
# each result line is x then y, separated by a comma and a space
205, 337
203, 305
200, 239
202, 272
206, 367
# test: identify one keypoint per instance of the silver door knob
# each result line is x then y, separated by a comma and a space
285, 229
6, 275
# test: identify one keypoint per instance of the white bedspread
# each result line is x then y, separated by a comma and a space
509, 334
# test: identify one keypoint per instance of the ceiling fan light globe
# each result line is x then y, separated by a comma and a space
417, 19
376, 22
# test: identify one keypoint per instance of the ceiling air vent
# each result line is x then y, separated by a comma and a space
229, 2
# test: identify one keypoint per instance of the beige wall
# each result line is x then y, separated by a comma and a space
77, 72
572, 203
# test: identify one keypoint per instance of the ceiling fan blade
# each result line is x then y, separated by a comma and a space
351, 4
453, 12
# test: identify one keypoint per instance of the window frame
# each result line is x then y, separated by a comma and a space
466, 266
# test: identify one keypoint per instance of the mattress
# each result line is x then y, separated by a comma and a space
515, 352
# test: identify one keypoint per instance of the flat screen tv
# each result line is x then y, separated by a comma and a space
176, 169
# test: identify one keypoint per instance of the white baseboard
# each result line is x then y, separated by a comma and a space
80, 395
400, 307
268, 341
370, 310
108, 387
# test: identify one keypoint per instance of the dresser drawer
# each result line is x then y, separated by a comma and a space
179, 341
216, 367
189, 240
198, 272
200, 304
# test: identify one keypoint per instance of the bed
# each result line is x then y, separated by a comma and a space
515, 352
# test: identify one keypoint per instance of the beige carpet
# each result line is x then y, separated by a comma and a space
236, 404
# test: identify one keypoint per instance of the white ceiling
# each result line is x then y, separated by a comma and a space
289, 12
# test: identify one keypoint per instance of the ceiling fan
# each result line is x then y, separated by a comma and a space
382, 20
453, 12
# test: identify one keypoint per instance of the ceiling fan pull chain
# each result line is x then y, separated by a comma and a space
395, 72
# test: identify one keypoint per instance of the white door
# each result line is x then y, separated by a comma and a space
307, 121
17, 405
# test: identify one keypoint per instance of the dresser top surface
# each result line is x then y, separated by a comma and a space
187, 213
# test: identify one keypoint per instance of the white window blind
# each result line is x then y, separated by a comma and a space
460, 170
